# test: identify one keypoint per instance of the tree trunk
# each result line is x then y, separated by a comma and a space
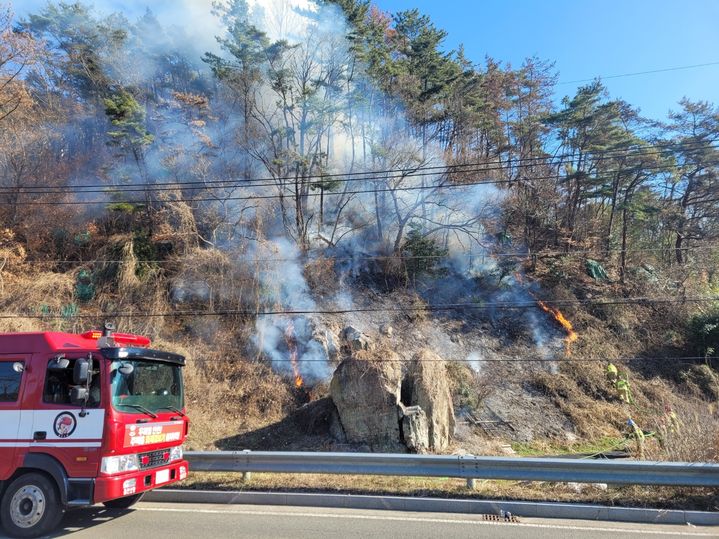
678, 248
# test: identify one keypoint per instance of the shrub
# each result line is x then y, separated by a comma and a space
422, 254
704, 333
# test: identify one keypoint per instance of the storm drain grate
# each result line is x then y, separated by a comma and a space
507, 517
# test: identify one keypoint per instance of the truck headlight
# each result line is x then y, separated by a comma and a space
120, 463
176, 453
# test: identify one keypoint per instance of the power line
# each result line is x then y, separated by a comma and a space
397, 189
483, 306
397, 173
333, 258
637, 73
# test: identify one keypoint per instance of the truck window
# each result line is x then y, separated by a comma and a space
58, 385
9, 381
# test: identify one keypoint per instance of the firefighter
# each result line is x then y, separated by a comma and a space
612, 373
623, 390
638, 435
671, 420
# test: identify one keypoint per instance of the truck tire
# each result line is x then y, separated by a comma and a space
123, 503
31, 506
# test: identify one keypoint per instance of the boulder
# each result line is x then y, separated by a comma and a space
430, 391
415, 429
366, 394
394, 406
355, 340
387, 330
326, 341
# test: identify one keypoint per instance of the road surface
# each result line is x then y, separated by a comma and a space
179, 521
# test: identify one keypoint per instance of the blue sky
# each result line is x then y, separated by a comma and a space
585, 38
589, 38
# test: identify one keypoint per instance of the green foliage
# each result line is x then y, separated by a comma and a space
147, 254
124, 207
249, 49
69, 311
127, 117
422, 255
84, 286
84, 40
601, 445
82, 238
704, 333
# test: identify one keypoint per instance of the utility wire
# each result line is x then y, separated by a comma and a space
637, 73
331, 257
397, 173
289, 194
480, 306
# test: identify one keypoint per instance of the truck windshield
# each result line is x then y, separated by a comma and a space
140, 386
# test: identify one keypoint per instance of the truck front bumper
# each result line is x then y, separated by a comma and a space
113, 487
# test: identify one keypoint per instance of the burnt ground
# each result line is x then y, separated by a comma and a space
507, 383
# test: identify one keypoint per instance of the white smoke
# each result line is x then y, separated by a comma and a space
475, 361
386, 142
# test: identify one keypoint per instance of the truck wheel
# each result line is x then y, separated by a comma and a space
123, 503
31, 506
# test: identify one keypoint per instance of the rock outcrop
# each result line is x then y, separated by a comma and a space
415, 429
431, 392
366, 394
355, 340
391, 405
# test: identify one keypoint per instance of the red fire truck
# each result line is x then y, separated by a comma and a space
85, 419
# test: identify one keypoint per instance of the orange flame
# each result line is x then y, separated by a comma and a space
292, 347
566, 324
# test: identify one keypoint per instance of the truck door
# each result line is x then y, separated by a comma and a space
68, 431
12, 381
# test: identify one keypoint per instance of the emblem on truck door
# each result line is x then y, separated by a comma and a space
64, 424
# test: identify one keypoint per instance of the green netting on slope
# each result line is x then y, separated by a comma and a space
596, 271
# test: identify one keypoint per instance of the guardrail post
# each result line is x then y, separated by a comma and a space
246, 476
471, 483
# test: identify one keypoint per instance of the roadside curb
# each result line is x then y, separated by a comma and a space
439, 505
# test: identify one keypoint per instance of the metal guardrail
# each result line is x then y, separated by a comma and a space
464, 466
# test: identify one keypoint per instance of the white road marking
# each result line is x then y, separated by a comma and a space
423, 519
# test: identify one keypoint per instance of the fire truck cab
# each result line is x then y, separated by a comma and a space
85, 419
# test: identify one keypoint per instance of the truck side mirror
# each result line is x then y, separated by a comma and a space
58, 364
79, 396
126, 369
81, 372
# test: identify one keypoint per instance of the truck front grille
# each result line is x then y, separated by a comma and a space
153, 459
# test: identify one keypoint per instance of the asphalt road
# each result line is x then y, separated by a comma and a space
179, 521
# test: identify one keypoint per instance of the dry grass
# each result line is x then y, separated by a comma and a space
321, 277
228, 395
696, 439
37, 294
592, 418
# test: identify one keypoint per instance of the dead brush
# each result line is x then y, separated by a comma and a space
38, 294
591, 418
179, 226
694, 439
321, 276
210, 279
228, 395
471, 388
127, 279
